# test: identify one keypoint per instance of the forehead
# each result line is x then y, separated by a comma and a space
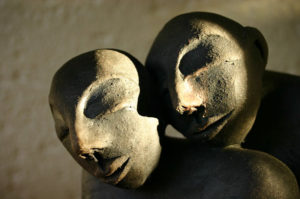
74, 77
209, 50
214, 45
110, 64
211, 37
209, 34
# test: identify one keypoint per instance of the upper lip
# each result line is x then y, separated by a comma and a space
112, 170
212, 123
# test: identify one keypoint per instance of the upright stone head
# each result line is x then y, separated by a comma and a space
209, 72
99, 106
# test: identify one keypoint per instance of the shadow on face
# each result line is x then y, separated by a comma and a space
209, 71
95, 100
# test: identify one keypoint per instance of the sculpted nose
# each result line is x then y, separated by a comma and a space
95, 155
92, 154
191, 110
185, 99
186, 110
88, 143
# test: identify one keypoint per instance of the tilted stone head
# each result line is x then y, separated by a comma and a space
209, 71
101, 119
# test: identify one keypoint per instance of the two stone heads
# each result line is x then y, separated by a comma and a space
203, 75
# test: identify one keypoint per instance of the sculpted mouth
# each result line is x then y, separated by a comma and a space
118, 169
111, 170
213, 126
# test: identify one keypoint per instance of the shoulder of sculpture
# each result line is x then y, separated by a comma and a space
270, 178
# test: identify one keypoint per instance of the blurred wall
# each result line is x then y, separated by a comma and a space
37, 37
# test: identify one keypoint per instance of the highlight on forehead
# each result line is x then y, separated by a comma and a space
203, 24
207, 50
184, 33
112, 64
77, 74
206, 28
109, 95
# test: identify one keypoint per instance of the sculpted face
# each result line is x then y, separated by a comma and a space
208, 71
94, 100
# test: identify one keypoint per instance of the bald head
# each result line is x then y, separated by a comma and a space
94, 100
209, 70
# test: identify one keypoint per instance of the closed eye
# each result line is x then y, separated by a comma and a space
195, 59
95, 106
97, 109
111, 96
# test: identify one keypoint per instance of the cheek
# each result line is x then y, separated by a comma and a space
141, 136
240, 86
90, 166
220, 89
128, 130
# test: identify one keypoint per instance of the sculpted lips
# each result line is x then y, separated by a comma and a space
112, 170
213, 124
118, 171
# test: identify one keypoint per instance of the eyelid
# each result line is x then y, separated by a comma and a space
199, 71
120, 106
109, 97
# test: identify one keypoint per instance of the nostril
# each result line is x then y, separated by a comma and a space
192, 110
93, 155
104, 163
100, 159
88, 156
201, 110
199, 114
188, 110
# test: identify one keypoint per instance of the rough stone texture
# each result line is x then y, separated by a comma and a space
243, 174
38, 37
96, 100
209, 70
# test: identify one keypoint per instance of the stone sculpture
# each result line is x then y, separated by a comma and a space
210, 72
94, 102
276, 129
213, 79
189, 170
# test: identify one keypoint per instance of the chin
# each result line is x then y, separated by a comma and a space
133, 180
207, 134
207, 130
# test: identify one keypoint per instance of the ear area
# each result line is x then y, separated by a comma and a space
256, 38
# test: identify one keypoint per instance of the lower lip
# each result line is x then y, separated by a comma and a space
214, 126
118, 175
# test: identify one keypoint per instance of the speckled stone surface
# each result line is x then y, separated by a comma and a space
36, 38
